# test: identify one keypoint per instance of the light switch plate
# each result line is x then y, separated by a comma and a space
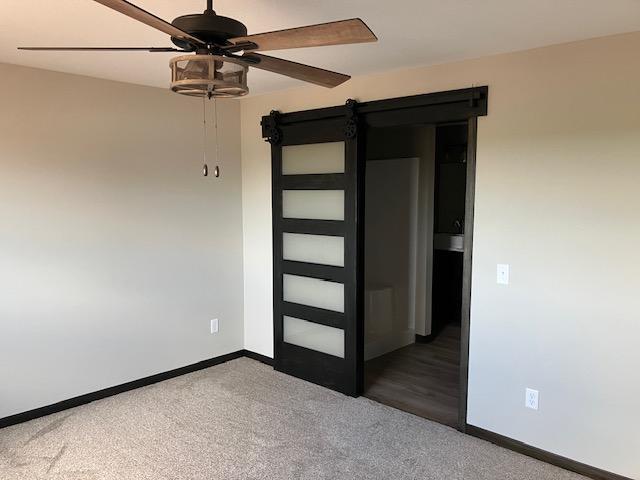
214, 325
503, 274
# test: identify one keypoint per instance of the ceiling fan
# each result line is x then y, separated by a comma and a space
218, 51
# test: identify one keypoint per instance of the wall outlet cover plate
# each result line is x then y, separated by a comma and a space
531, 399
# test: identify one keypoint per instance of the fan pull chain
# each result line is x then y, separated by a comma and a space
205, 167
216, 171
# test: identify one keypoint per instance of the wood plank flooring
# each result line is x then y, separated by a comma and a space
420, 378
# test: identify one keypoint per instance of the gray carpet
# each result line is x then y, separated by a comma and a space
242, 420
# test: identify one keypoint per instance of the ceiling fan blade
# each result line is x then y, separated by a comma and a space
101, 49
332, 33
299, 71
147, 18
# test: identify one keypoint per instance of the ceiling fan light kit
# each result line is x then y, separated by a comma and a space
208, 75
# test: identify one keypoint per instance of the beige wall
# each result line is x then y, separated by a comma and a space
557, 199
115, 252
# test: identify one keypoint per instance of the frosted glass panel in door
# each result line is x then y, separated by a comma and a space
313, 292
313, 204
314, 336
322, 249
313, 158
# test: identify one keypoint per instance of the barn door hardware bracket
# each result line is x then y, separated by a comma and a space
351, 123
271, 128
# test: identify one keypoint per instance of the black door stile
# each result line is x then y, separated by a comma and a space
276, 206
354, 258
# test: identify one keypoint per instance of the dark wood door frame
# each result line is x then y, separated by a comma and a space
435, 108
470, 195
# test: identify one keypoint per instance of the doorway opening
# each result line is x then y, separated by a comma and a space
416, 207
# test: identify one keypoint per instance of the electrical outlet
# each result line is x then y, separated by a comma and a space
503, 274
531, 399
214, 325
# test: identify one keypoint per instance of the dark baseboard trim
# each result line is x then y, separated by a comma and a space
125, 387
552, 458
259, 357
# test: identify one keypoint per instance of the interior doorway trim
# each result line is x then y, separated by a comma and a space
465, 323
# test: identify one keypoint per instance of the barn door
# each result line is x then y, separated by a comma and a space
317, 213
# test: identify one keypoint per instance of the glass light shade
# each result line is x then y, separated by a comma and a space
208, 75
313, 336
313, 158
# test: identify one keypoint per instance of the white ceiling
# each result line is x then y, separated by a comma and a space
411, 32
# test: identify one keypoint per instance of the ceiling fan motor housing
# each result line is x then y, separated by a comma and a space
209, 27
